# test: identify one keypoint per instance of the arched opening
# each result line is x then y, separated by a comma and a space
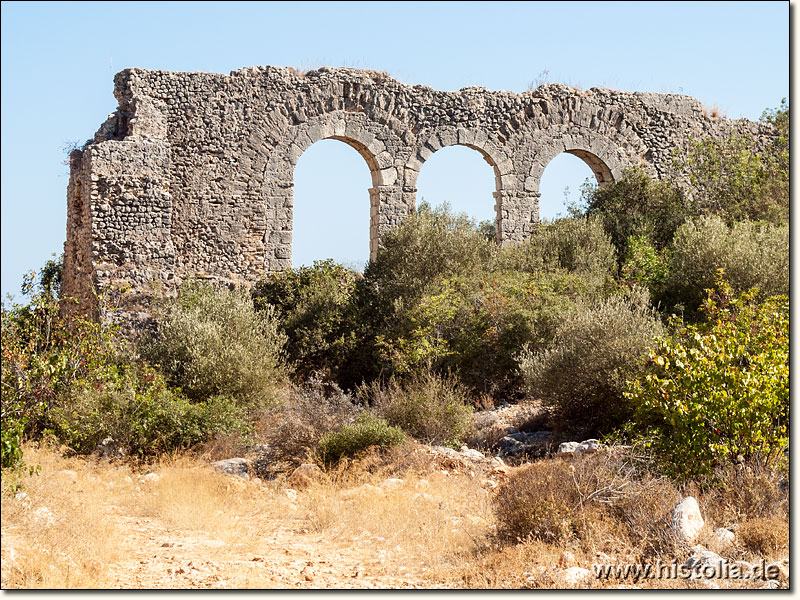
462, 177
331, 215
563, 180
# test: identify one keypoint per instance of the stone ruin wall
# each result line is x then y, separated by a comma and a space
192, 176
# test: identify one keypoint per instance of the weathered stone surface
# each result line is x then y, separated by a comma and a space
192, 176
233, 466
686, 519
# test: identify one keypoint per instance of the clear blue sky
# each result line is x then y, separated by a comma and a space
58, 60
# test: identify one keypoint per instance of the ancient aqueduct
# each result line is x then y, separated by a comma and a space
193, 174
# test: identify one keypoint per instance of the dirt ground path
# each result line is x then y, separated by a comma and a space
291, 557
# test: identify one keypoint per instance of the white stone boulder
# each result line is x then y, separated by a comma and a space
567, 448
233, 466
724, 537
587, 447
575, 575
686, 519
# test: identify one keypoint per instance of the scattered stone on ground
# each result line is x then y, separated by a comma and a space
686, 519
233, 466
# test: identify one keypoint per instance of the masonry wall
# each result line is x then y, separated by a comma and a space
193, 174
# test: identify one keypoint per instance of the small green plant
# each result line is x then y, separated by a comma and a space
349, 441
719, 390
431, 408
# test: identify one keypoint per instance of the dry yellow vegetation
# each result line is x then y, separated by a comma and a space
391, 520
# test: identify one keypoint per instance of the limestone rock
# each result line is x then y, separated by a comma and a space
724, 536
233, 466
567, 448
575, 575
686, 519
587, 447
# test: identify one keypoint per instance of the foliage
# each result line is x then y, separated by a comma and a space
580, 377
575, 245
211, 341
638, 205
431, 408
751, 254
721, 389
314, 308
76, 379
367, 430
734, 178
134, 406
43, 355
428, 246
431, 244
645, 265
295, 428
473, 326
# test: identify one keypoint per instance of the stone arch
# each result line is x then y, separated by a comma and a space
494, 154
370, 139
602, 155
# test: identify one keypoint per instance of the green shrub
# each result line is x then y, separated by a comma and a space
580, 378
306, 415
43, 355
314, 308
474, 326
211, 341
734, 178
575, 245
429, 407
751, 254
77, 380
367, 431
638, 205
429, 245
719, 390
645, 265
140, 413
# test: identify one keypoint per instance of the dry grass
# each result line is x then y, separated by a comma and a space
78, 546
189, 496
420, 516
714, 112
394, 516
765, 536
55, 527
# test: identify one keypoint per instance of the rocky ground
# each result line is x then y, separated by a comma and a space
421, 518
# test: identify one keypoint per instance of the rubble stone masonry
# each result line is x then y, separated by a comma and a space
192, 176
